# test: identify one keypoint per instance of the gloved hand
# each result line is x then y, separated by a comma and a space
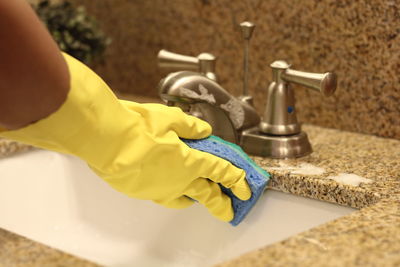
136, 147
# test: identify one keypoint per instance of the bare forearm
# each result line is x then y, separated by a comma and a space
34, 79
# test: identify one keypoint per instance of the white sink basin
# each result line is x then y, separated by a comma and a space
56, 199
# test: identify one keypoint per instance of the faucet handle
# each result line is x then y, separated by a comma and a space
323, 82
203, 63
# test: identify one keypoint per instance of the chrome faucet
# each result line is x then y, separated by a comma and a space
278, 134
204, 98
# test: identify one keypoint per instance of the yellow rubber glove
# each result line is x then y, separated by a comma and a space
136, 147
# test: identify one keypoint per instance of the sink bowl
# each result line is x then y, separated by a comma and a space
57, 200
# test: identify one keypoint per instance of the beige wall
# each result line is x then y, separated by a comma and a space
359, 40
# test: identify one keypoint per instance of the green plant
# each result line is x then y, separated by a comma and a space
73, 29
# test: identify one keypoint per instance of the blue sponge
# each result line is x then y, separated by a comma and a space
256, 177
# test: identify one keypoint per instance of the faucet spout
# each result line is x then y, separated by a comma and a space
206, 99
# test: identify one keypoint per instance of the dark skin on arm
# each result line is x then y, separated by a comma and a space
34, 78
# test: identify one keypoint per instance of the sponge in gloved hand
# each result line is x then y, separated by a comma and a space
256, 177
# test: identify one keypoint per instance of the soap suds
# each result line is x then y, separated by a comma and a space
350, 179
204, 95
235, 110
303, 169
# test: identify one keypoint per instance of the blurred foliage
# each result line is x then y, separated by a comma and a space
73, 29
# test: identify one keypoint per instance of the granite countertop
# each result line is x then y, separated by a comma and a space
369, 236
9, 147
16, 250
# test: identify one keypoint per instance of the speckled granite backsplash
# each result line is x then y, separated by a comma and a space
359, 40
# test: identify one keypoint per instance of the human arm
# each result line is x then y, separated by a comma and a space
34, 78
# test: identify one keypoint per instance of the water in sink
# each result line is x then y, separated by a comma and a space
56, 199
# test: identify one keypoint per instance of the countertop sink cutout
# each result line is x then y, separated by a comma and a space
57, 200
